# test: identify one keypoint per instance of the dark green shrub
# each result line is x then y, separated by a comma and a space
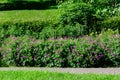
47, 32
99, 3
26, 4
79, 13
86, 51
111, 23
69, 30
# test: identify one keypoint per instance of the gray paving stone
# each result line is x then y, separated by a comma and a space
69, 70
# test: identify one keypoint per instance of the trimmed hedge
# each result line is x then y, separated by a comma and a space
21, 5
86, 51
20, 28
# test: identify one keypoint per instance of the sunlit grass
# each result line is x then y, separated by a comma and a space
44, 75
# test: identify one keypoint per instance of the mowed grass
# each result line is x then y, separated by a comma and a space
29, 15
45, 75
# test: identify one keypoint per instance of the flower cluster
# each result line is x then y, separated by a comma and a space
85, 51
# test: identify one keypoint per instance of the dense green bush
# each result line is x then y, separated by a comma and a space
111, 23
79, 13
69, 30
47, 32
90, 14
103, 7
75, 13
86, 51
98, 2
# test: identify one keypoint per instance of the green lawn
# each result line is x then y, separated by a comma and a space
44, 75
26, 15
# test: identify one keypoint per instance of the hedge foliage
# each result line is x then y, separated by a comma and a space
47, 29
82, 14
93, 18
111, 23
30, 28
26, 4
85, 51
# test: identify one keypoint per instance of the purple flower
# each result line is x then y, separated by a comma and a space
97, 57
95, 52
74, 47
24, 57
18, 49
92, 60
77, 53
72, 50
52, 38
91, 47
60, 43
47, 56
89, 65
56, 59
18, 53
68, 59
58, 51
78, 63
34, 58
83, 36
36, 49
62, 60
117, 35
65, 38
101, 54
88, 37
14, 38
87, 49
102, 45
92, 41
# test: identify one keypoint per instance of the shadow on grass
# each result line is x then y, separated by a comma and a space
22, 5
